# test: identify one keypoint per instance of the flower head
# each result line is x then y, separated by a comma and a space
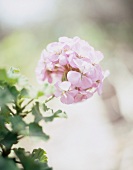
75, 64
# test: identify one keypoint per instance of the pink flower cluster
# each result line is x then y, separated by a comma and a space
74, 67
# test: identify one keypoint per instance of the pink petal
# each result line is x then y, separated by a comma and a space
83, 95
106, 73
65, 85
71, 60
74, 77
89, 94
44, 56
82, 65
53, 58
73, 92
53, 47
64, 39
62, 59
50, 66
78, 98
99, 56
86, 82
58, 91
43, 75
67, 99
49, 78
99, 89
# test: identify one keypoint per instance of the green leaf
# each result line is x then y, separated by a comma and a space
14, 92
24, 93
40, 94
45, 108
13, 74
14, 70
36, 112
8, 94
3, 129
5, 96
5, 113
39, 155
6, 77
3, 75
7, 164
57, 114
18, 125
36, 130
9, 139
28, 162
48, 89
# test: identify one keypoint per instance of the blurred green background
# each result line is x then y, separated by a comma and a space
27, 26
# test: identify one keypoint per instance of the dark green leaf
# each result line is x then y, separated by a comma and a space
8, 94
26, 160
57, 114
3, 129
36, 130
7, 164
14, 92
9, 139
5, 113
45, 108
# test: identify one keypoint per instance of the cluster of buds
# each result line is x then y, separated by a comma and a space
73, 65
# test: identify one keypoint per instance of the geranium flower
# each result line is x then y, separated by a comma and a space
75, 64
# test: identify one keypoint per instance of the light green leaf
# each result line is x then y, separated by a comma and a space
39, 155
3, 75
40, 94
24, 93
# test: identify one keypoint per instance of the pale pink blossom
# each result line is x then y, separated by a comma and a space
63, 89
75, 64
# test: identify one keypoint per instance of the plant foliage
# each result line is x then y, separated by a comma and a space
16, 103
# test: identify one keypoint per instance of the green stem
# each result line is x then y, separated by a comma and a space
20, 137
2, 147
5, 152
50, 98
10, 111
27, 104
